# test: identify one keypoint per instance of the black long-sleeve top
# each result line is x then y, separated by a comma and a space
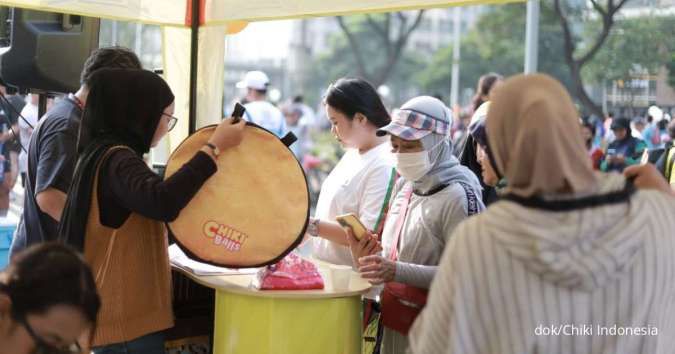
127, 184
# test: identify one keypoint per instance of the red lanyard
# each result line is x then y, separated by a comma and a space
77, 101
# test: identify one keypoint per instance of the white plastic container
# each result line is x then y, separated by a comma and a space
340, 276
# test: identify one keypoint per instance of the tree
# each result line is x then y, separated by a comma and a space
634, 49
339, 60
671, 70
390, 31
576, 62
496, 44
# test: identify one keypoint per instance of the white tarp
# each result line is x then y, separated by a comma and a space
218, 15
173, 12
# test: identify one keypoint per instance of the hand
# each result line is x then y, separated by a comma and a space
227, 134
648, 177
367, 246
619, 159
377, 269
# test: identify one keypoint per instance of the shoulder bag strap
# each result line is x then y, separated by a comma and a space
407, 192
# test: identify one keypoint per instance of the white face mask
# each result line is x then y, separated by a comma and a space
412, 165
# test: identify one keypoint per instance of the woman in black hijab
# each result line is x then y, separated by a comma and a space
117, 205
469, 155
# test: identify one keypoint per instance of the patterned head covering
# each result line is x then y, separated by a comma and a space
409, 123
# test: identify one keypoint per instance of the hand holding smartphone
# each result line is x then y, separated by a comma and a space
352, 222
238, 112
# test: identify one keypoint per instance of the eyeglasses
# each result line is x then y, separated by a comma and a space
172, 121
42, 347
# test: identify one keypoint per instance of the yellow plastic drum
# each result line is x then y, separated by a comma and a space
252, 324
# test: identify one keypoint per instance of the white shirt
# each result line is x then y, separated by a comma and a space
358, 184
30, 112
267, 116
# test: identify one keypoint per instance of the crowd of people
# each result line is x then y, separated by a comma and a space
533, 225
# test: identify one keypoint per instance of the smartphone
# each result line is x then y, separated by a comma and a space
352, 222
238, 112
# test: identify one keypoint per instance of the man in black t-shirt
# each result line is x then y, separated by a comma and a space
52, 154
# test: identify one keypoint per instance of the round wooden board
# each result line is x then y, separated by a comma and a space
252, 211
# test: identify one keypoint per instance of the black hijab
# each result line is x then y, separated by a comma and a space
123, 110
468, 158
124, 105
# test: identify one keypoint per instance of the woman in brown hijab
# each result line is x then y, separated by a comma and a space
569, 261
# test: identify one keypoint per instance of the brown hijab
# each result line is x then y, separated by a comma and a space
535, 139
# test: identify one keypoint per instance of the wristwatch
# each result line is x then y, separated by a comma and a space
213, 148
313, 227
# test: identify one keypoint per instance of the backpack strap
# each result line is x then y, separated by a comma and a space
471, 200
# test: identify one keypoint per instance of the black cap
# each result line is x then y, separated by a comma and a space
621, 123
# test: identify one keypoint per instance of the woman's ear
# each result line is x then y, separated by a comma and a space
360, 118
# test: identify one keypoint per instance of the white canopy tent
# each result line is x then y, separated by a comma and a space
217, 19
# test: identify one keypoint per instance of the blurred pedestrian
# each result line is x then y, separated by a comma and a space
486, 84
26, 126
625, 150
293, 114
258, 109
595, 153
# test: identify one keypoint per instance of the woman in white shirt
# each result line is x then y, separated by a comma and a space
363, 179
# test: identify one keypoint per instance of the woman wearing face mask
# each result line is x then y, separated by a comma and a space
362, 180
565, 248
117, 205
434, 194
48, 302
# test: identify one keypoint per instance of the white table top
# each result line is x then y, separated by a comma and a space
241, 284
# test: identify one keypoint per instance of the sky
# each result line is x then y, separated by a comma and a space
261, 40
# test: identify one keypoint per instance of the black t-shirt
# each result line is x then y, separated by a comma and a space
52, 155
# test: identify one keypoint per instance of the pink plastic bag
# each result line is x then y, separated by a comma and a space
291, 273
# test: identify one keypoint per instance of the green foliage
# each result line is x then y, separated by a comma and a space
339, 61
497, 44
634, 46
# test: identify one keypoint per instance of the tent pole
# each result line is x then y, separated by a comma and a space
454, 87
194, 57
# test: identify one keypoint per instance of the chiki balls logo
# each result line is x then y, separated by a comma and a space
223, 235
